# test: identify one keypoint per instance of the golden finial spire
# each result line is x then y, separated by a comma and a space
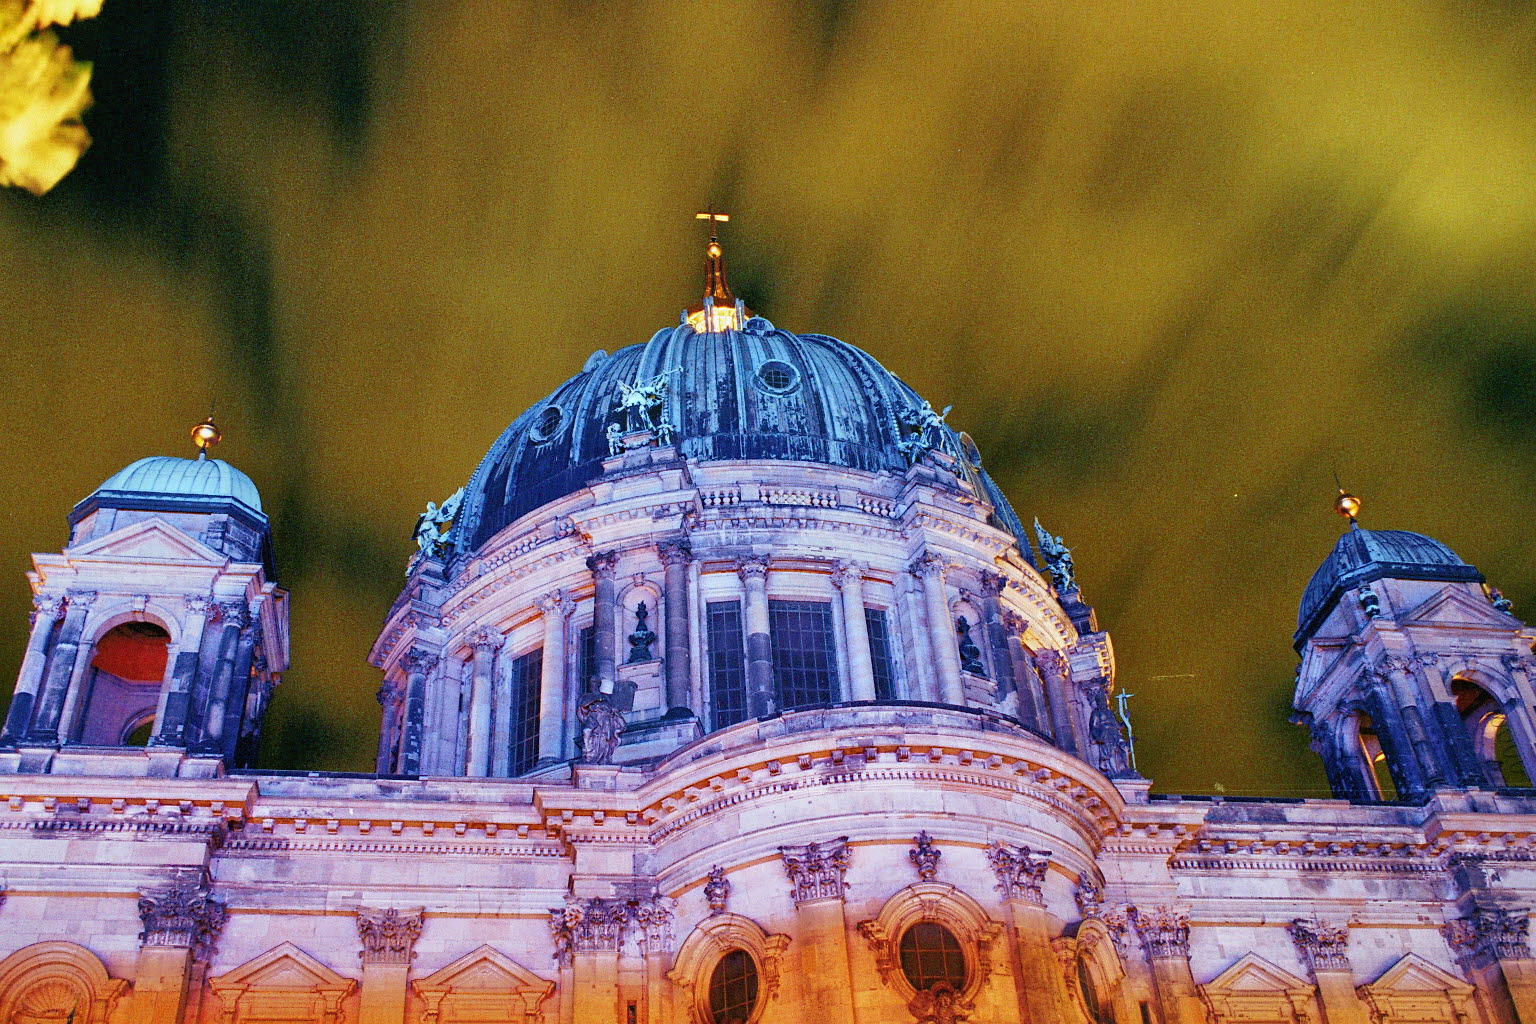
1347, 505
718, 310
206, 434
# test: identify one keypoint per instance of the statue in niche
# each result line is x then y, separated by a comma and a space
970, 654
601, 727
1058, 559
940, 1004
641, 639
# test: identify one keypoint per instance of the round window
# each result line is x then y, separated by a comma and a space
733, 988
930, 953
777, 377
548, 423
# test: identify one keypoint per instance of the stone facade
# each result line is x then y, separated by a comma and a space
694, 738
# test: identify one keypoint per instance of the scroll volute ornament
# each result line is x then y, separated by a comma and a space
389, 936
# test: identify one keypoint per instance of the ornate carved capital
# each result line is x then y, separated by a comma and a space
1523, 662
1398, 664
717, 890
929, 565
81, 599
182, 917
752, 567
993, 583
925, 857
817, 869
196, 604
1051, 662
1487, 935
674, 552
1089, 897
653, 916
556, 603
419, 662
484, 638
1322, 947
846, 572
603, 564
1118, 920
234, 613
390, 693
1020, 871
389, 936
1164, 931
45, 608
598, 924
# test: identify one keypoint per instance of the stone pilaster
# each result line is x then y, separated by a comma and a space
946, 652
45, 613
389, 945
761, 698
418, 665
181, 923
604, 627
61, 669
1164, 934
1495, 949
235, 616
1053, 669
675, 556
1324, 948
477, 760
817, 873
848, 578
555, 609
176, 694
1020, 881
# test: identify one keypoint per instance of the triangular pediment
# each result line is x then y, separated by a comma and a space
151, 539
1255, 974
1456, 608
283, 967
1415, 974
485, 969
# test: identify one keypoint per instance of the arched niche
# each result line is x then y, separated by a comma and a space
127, 668
1482, 704
707, 945
940, 904
58, 979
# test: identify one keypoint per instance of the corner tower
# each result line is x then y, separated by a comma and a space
1414, 675
726, 522
158, 632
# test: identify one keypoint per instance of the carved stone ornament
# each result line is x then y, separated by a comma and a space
940, 1004
1164, 931
717, 890
1020, 871
598, 924
603, 563
484, 638
1089, 897
390, 693
1487, 935
419, 661
389, 936
196, 604
1322, 947
601, 727
182, 917
926, 857
1118, 920
642, 638
45, 608
755, 567
674, 552
817, 869
845, 572
929, 565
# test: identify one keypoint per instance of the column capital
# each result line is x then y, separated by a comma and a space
81, 599
1051, 661
555, 603
196, 604
483, 638
1487, 935
232, 613
1020, 872
817, 869
592, 925
993, 583
181, 917
674, 552
45, 607
390, 692
419, 660
929, 565
1322, 947
603, 564
1164, 931
1400, 664
752, 567
389, 935
846, 571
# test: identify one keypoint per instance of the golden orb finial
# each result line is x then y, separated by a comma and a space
1346, 505
205, 435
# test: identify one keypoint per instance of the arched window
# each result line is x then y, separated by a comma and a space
1488, 727
123, 684
931, 954
733, 988
1374, 760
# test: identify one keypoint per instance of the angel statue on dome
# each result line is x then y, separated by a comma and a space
640, 402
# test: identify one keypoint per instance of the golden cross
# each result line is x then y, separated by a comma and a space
713, 218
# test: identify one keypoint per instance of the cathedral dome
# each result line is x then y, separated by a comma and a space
167, 477
1361, 556
750, 394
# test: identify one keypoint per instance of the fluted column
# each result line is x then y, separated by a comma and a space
61, 669
675, 556
555, 609
418, 663
761, 699
236, 616
946, 652
45, 612
848, 577
1053, 667
171, 715
604, 632
478, 759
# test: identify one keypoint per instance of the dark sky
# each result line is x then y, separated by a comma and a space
1174, 263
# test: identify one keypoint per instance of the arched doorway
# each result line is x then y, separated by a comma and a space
122, 685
